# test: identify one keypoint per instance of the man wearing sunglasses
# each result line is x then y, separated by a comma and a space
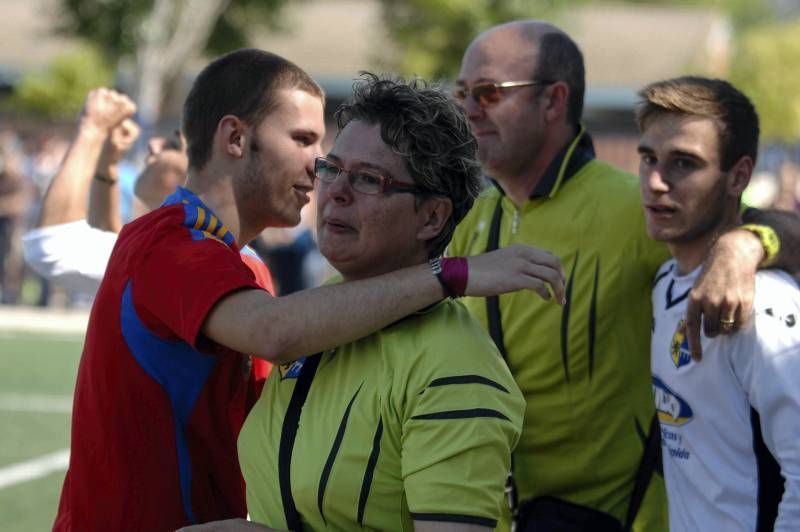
583, 368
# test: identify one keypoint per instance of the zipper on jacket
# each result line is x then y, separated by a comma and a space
515, 222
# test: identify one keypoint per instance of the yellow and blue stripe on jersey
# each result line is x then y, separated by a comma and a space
199, 219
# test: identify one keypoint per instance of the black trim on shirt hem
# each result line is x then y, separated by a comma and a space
366, 484
463, 414
465, 379
455, 518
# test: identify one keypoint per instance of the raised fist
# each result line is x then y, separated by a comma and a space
119, 141
105, 109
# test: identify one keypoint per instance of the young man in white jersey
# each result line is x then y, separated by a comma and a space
730, 425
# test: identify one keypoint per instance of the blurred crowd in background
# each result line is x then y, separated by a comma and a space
28, 161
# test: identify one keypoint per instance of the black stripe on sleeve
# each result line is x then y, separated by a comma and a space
463, 414
465, 379
455, 518
326, 471
366, 484
565, 320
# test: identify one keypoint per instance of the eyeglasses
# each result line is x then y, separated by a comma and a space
361, 180
488, 93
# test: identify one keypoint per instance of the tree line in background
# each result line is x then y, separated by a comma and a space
158, 38
155, 39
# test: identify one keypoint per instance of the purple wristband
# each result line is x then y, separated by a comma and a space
455, 274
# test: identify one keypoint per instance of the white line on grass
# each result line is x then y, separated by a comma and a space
33, 469
49, 336
23, 402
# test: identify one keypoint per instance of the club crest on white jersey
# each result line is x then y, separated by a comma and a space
679, 347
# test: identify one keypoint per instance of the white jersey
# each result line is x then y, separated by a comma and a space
714, 413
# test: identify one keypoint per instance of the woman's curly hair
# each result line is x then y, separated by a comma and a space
428, 129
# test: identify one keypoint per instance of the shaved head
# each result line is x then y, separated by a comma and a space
544, 49
521, 36
523, 31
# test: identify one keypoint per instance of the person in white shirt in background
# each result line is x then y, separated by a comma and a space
64, 247
80, 216
730, 424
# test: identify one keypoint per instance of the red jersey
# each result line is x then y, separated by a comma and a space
157, 407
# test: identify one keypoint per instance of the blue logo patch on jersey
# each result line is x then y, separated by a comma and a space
291, 371
672, 408
679, 347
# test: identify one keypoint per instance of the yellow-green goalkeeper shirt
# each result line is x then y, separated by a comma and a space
584, 368
414, 422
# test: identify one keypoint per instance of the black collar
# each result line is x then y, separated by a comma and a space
564, 165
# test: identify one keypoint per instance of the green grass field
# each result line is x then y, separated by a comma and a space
37, 376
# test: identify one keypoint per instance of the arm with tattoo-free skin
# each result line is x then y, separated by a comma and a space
104, 212
726, 287
66, 197
285, 328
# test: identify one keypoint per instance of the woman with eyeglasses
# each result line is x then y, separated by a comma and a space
411, 427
